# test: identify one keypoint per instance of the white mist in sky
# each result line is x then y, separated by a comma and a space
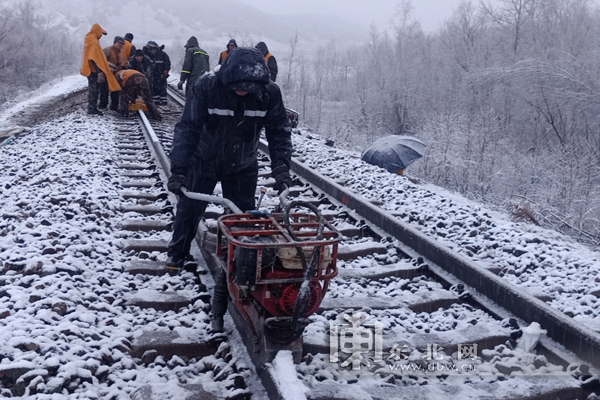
430, 13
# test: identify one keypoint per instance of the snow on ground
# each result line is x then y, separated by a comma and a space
63, 286
549, 265
62, 310
47, 92
283, 372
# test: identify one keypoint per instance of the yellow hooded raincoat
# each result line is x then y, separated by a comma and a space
92, 51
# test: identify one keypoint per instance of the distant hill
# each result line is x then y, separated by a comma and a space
212, 22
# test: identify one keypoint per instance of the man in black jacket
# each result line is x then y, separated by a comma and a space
216, 139
232, 44
269, 59
195, 64
140, 62
158, 71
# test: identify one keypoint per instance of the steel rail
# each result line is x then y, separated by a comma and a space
582, 341
162, 158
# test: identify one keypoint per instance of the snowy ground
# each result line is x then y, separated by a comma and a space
63, 318
549, 265
53, 190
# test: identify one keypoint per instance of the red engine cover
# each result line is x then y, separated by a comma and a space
290, 294
280, 299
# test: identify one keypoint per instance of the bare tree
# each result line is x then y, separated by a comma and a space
24, 33
513, 15
293, 45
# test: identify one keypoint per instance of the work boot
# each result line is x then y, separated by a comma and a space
95, 112
174, 263
217, 324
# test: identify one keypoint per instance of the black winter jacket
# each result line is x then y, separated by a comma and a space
195, 63
224, 128
270, 59
141, 66
159, 62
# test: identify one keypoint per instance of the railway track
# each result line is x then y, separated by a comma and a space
423, 298
405, 318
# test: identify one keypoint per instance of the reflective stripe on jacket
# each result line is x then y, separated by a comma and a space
195, 64
223, 129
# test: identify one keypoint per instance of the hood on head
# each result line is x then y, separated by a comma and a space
263, 48
233, 42
97, 30
244, 64
192, 42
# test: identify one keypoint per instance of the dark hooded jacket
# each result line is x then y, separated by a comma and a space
142, 66
224, 128
159, 62
225, 53
195, 62
269, 59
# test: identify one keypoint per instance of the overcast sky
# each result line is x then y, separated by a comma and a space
431, 13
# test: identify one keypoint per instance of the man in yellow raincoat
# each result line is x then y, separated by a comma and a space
94, 61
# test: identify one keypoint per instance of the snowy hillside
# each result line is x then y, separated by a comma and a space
213, 23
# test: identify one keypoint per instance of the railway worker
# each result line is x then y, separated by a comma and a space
216, 139
159, 71
127, 51
94, 63
140, 62
195, 64
232, 44
112, 54
134, 84
269, 59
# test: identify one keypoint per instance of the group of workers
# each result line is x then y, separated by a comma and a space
143, 72
217, 135
123, 73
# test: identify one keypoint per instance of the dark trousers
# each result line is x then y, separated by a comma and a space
93, 92
114, 97
158, 86
188, 85
239, 188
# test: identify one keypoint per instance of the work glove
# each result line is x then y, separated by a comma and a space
180, 85
176, 182
165, 75
282, 177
